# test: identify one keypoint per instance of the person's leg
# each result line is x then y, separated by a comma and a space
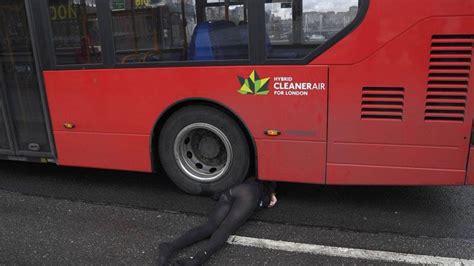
198, 233
245, 201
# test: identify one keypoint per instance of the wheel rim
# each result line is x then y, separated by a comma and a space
203, 152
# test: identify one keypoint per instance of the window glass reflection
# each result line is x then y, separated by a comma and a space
75, 31
295, 28
179, 30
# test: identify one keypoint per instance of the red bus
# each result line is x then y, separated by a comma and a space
352, 92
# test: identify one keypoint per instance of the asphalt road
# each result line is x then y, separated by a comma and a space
60, 215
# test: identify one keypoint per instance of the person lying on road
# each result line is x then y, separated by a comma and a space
235, 206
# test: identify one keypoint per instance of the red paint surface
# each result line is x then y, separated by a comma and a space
409, 151
114, 110
386, 21
292, 161
470, 168
345, 174
102, 150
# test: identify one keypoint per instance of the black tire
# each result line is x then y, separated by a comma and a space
237, 170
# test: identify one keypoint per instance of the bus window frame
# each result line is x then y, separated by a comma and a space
256, 46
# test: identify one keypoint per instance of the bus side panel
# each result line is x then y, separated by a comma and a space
114, 112
292, 161
356, 174
384, 21
106, 151
470, 168
403, 115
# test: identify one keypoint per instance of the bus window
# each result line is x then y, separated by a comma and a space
179, 30
75, 31
296, 27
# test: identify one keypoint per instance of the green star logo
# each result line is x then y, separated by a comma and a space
253, 85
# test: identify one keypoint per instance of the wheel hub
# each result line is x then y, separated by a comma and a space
203, 152
209, 147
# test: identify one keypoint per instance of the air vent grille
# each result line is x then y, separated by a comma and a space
382, 103
449, 77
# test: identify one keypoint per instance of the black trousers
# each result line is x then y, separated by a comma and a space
234, 207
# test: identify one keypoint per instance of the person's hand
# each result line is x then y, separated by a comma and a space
273, 201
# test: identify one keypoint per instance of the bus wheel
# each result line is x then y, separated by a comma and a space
203, 150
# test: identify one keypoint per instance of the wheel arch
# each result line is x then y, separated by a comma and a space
155, 161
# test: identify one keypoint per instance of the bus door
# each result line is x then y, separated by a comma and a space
23, 129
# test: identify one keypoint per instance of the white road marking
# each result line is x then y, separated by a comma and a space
352, 253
